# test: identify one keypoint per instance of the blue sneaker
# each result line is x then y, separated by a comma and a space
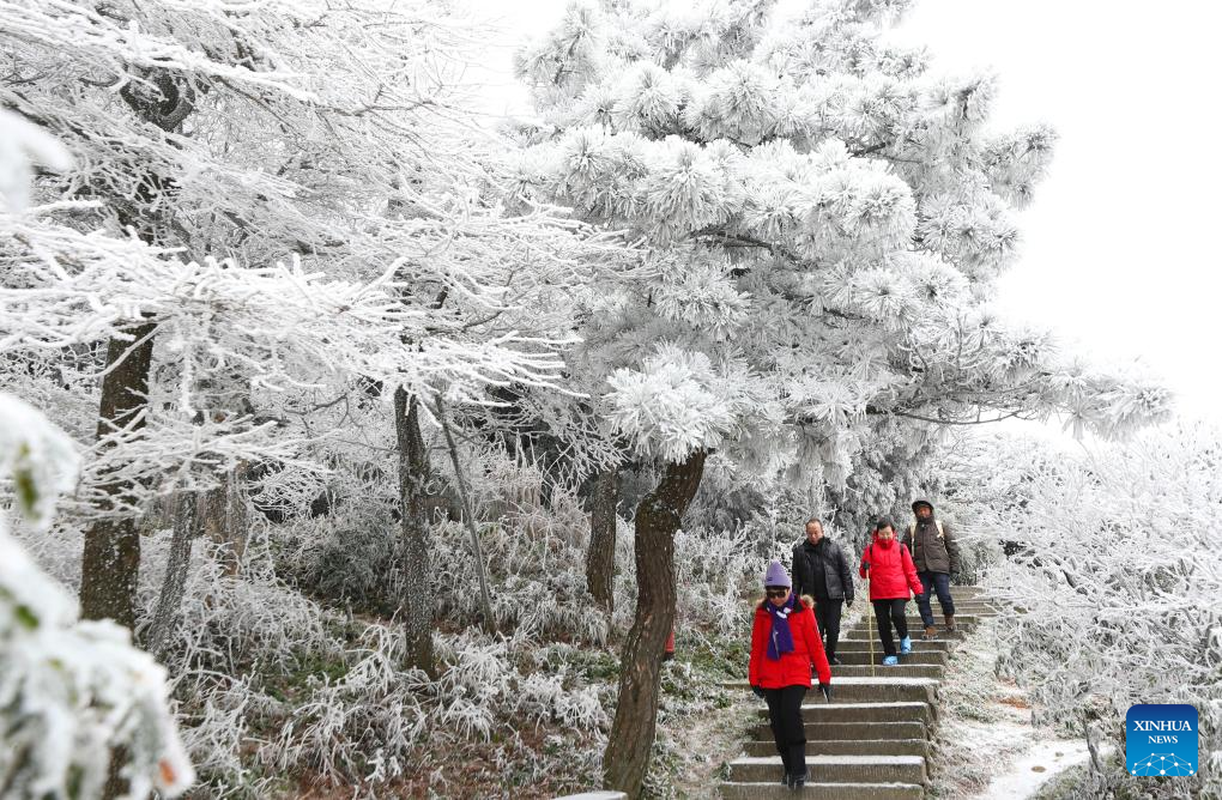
905, 646
890, 661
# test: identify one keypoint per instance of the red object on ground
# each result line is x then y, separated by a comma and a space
670, 643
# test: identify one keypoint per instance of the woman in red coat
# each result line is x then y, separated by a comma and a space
785, 644
892, 574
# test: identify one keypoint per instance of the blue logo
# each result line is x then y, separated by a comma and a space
1161, 740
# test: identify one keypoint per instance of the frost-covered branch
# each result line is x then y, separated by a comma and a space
73, 695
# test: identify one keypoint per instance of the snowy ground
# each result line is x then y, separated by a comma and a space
988, 748
1035, 766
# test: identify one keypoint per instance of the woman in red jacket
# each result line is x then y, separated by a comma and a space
891, 574
785, 644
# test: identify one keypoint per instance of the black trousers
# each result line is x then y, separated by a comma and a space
788, 729
827, 614
888, 613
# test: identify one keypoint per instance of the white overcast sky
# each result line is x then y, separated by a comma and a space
1120, 255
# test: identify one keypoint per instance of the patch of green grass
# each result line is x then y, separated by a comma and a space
598, 666
1064, 786
286, 686
717, 659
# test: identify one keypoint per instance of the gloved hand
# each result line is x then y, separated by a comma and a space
758, 691
826, 688
848, 602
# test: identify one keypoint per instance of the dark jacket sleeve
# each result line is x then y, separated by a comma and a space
796, 570
814, 645
952, 547
846, 574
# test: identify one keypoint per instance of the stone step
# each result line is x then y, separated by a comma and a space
909, 670
966, 609
841, 731
846, 747
964, 593
915, 626
868, 689
890, 711
823, 791
916, 632
856, 644
871, 742
861, 656
836, 769
913, 613
915, 619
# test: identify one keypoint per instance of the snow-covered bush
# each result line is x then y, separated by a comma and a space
716, 572
1116, 579
350, 556
534, 554
76, 699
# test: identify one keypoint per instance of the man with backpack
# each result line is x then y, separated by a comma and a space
936, 556
821, 571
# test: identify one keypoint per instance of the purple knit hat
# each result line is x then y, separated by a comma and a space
776, 575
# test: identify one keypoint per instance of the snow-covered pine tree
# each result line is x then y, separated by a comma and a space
255, 135
826, 221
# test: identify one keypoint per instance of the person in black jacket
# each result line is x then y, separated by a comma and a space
821, 571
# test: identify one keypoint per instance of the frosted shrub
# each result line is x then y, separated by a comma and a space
545, 698
716, 571
215, 724
374, 708
476, 663
350, 556
1117, 573
233, 624
531, 552
238, 645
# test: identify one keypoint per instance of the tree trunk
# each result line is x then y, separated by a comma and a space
222, 518
175, 582
469, 513
111, 561
600, 558
413, 480
626, 760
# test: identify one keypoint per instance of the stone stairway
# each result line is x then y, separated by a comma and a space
872, 742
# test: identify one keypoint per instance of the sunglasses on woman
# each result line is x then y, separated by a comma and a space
776, 592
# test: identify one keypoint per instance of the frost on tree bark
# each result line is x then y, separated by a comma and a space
469, 518
174, 584
111, 559
413, 482
222, 518
600, 558
626, 759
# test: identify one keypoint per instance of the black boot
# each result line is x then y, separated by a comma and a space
799, 773
785, 766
